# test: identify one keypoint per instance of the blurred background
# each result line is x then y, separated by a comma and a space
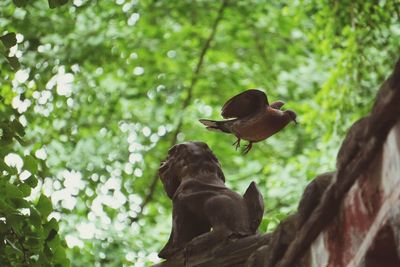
93, 93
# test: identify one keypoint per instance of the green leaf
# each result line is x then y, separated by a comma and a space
14, 63
30, 164
20, 140
35, 217
17, 126
33, 242
50, 229
25, 189
59, 255
8, 134
57, 3
13, 191
5, 207
16, 220
5, 167
20, 3
51, 225
20, 203
4, 227
51, 235
32, 181
9, 39
54, 243
44, 206
47, 251
53, 3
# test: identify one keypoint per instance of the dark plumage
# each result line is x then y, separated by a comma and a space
251, 117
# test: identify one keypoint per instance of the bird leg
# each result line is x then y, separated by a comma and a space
248, 147
237, 143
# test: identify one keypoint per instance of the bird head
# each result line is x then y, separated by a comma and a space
291, 115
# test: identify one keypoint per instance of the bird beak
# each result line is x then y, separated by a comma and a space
295, 121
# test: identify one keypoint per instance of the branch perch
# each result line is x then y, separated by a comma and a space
186, 102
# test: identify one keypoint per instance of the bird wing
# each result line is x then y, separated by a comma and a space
244, 104
277, 104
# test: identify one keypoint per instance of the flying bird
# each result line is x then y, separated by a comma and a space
251, 118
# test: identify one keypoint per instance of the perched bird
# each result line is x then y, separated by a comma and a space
251, 118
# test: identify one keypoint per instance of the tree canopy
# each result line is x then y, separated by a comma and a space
93, 93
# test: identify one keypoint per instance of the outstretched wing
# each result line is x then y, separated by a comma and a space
277, 104
244, 104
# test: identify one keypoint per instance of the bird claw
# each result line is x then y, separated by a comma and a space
236, 144
247, 149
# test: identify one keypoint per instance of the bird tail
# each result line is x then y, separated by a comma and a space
215, 125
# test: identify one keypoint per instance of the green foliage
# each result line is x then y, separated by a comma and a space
104, 87
9, 40
20, 3
52, 3
26, 234
57, 3
28, 237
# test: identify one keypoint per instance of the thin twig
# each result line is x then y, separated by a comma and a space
21, 245
185, 104
259, 46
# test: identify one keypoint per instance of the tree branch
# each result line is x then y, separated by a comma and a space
23, 251
185, 104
